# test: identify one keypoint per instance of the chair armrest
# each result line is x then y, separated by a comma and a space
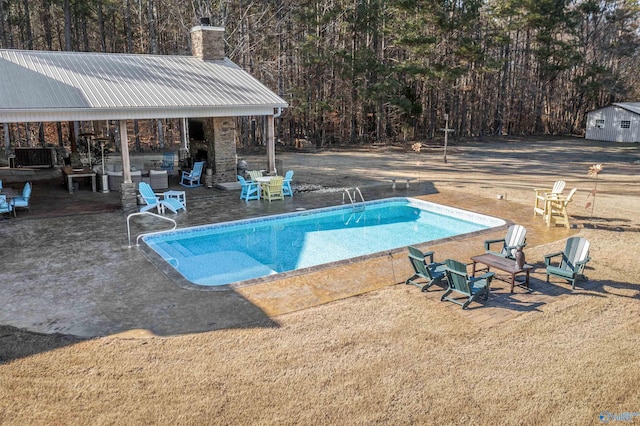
542, 190
487, 243
547, 257
583, 262
487, 275
429, 254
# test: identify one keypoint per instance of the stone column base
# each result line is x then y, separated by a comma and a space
129, 197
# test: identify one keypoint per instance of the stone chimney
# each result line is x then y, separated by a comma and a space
207, 43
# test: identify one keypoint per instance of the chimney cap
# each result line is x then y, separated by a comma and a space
204, 21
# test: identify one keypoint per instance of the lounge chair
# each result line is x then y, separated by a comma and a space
516, 237
462, 284
23, 200
557, 209
273, 189
543, 195
573, 260
153, 201
5, 207
424, 270
192, 179
286, 184
250, 189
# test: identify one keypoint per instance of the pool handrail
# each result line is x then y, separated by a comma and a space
147, 213
353, 199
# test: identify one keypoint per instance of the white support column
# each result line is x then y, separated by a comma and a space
271, 144
185, 134
124, 149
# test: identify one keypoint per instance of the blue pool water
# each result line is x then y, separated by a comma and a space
226, 253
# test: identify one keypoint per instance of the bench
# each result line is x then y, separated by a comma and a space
401, 179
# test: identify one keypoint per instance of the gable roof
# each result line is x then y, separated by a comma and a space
629, 106
61, 86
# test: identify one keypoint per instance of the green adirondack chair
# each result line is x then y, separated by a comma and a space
516, 237
572, 262
460, 283
426, 273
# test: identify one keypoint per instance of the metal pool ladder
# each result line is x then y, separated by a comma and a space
359, 207
175, 225
353, 199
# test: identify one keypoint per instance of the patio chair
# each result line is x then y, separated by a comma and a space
167, 161
573, 260
543, 195
192, 179
470, 288
5, 207
250, 189
273, 189
516, 237
424, 270
153, 201
286, 184
557, 209
23, 200
253, 174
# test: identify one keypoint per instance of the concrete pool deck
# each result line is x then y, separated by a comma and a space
75, 274
67, 267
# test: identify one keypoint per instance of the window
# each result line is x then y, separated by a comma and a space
625, 124
600, 123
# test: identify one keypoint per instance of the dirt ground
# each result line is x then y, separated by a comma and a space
389, 356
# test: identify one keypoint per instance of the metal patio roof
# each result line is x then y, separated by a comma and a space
61, 86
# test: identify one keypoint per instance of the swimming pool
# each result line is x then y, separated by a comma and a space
230, 252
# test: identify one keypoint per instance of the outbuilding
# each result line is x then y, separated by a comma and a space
618, 122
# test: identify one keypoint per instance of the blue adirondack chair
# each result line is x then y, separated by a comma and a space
23, 200
5, 207
286, 184
192, 179
425, 272
250, 189
460, 283
154, 202
572, 261
516, 237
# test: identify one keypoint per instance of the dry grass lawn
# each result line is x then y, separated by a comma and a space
387, 357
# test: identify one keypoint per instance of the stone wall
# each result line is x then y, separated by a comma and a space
220, 144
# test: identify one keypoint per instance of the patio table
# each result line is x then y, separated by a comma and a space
502, 264
68, 173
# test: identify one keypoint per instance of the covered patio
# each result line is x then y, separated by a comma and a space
40, 86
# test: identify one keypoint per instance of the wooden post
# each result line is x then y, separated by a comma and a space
446, 131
